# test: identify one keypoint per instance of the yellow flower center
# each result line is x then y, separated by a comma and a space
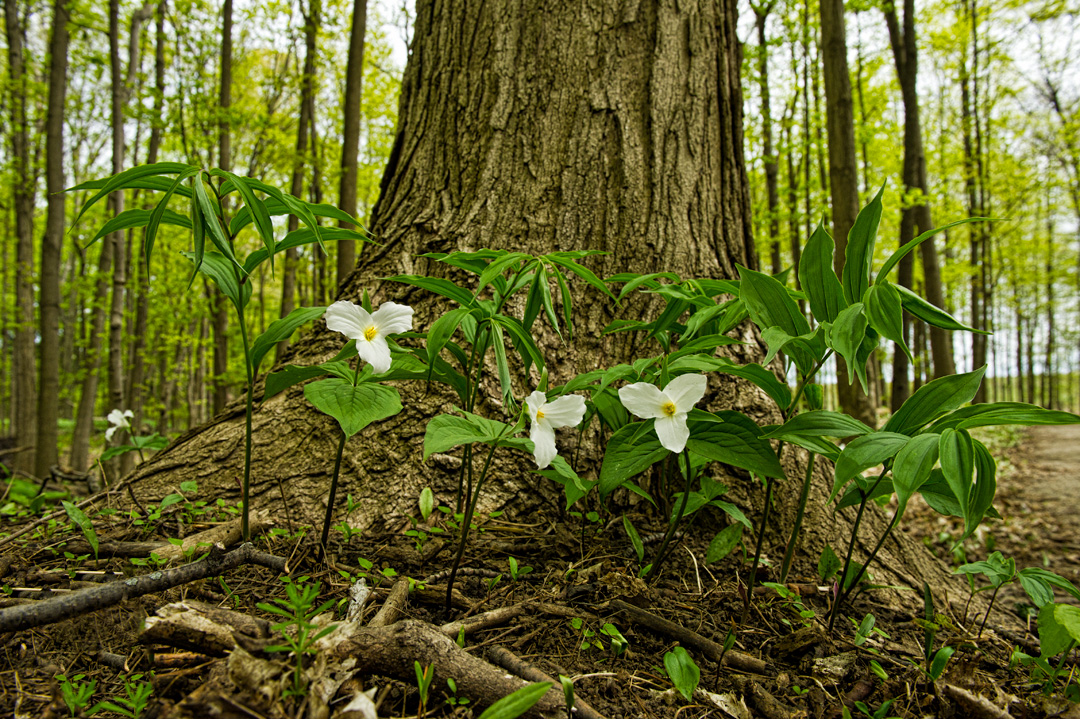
669, 409
370, 332
539, 415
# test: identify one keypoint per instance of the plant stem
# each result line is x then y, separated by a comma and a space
661, 553
466, 523
987, 615
333, 493
244, 526
757, 549
789, 555
851, 548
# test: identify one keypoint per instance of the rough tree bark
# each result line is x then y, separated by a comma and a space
623, 135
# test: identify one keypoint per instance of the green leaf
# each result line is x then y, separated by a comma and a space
1004, 413
939, 495
723, 543
281, 329
501, 365
895, 258
770, 305
863, 453
210, 215
427, 503
807, 345
1054, 636
828, 564
289, 375
817, 278
439, 286
298, 238
982, 494
859, 256
885, 313
256, 208
682, 671
846, 336
958, 466
1048, 579
521, 701
523, 342
79, 519
635, 538
867, 489
820, 423
446, 431
499, 265
160, 214
137, 218
631, 450
442, 330
764, 379
124, 180
735, 445
933, 400
353, 407
568, 261
223, 273
912, 468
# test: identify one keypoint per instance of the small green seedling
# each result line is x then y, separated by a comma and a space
75, 692
134, 704
682, 671
517, 572
424, 675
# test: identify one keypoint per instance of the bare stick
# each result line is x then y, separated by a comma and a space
27, 616
503, 657
393, 606
712, 650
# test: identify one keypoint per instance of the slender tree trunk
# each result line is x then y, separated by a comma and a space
307, 80
1049, 368
350, 136
137, 360
761, 14
843, 171
22, 365
51, 248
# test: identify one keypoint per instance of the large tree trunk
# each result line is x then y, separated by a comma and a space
350, 135
218, 303
624, 135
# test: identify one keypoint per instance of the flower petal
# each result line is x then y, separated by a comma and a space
535, 402
375, 352
392, 318
118, 418
348, 319
643, 400
566, 411
109, 433
673, 432
543, 439
686, 391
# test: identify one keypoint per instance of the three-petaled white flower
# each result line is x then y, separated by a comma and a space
668, 407
118, 420
546, 416
370, 329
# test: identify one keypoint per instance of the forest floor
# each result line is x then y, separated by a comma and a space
553, 619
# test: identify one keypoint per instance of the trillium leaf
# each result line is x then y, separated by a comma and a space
820, 423
353, 407
863, 453
885, 313
933, 400
630, 451
859, 256
735, 445
446, 431
1054, 638
764, 379
817, 278
723, 543
912, 468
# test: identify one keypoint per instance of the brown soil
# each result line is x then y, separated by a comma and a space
582, 567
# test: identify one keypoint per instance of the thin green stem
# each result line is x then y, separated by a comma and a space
987, 615
661, 553
245, 529
467, 523
802, 385
757, 548
841, 594
789, 555
333, 493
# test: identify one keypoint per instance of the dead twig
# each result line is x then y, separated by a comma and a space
27, 616
503, 657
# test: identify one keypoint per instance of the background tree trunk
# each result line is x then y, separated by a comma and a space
218, 302
843, 173
22, 365
51, 245
625, 135
350, 135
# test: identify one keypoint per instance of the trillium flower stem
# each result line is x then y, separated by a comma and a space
661, 553
467, 523
330, 499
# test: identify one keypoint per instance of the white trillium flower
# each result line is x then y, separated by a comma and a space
668, 406
118, 420
546, 417
370, 329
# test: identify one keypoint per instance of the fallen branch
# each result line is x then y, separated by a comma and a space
736, 660
27, 616
393, 606
486, 620
973, 705
503, 657
226, 534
